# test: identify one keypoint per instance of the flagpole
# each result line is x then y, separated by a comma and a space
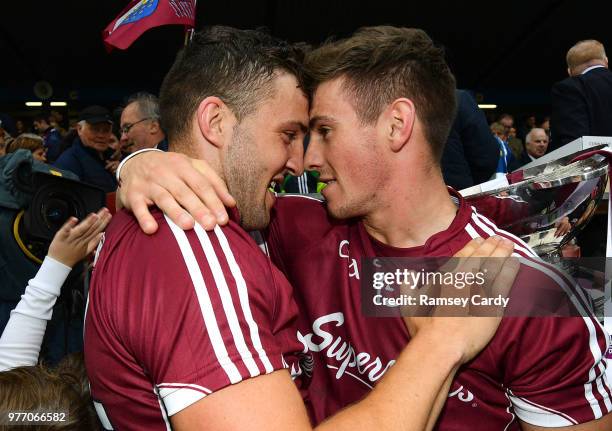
189, 31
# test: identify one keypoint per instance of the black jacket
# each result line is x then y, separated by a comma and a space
471, 152
581, 106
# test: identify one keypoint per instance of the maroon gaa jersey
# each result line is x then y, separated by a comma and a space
547, 371
175, 316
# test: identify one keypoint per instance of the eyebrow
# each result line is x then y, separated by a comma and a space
298, 124
320, 118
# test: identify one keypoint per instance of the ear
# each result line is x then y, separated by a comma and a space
212, 118
401, 116
569, 72
154, 127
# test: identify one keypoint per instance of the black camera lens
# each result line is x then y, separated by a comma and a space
55, 212
56, 200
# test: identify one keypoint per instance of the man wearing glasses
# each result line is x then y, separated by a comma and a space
140, 126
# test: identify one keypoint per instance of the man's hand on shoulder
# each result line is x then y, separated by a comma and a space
184, 189
472, 331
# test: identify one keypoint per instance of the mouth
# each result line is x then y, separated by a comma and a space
327, 180
277, 179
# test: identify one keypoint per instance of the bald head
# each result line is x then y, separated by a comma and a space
584, 54
536, 142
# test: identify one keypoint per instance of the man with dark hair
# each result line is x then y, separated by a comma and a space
193, 329
382, 105
140, 124
52, 138
582, 103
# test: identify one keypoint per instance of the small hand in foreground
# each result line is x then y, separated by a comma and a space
74, 242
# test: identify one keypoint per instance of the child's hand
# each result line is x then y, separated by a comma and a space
74, 242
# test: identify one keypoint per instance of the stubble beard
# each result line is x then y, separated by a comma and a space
243, 171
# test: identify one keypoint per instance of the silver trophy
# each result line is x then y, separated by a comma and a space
549, 203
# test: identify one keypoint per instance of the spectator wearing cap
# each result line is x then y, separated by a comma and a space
140, 126
89, 153
51, 137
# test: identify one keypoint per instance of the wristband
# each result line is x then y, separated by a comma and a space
135, 153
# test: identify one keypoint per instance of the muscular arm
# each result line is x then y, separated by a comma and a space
403, 400
411, 394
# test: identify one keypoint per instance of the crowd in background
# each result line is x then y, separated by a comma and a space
93, 144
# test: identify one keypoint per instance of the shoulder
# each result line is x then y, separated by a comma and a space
482, 226
600, 73
179, 272
68, 158
124, 239
568, 83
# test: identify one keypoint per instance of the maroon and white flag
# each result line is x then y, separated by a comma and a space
141, 15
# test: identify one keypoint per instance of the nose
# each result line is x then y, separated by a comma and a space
295, 162
313, 160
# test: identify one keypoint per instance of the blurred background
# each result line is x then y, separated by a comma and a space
508, 53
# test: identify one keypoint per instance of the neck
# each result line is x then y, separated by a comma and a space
417, 209
157, 138
580, 69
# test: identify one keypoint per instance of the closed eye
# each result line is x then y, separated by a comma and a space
289, 136
323, 131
